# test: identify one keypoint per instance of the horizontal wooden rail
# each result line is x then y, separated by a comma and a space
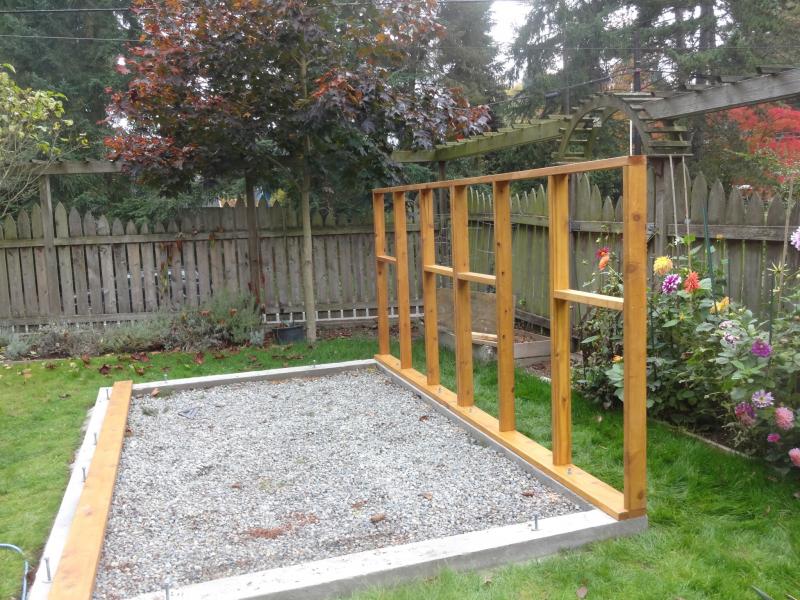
589, 298
593, 165
576, 479
386, 259
477, 277
75, 576
439, 270
188, 236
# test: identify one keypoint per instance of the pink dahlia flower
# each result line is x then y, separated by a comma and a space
784, 418
794, 456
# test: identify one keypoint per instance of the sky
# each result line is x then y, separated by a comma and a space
507, 15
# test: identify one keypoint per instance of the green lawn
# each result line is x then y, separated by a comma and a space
719, 523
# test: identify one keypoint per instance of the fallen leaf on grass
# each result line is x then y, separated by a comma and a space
104, 370
118, 367
64, 396
138, 370
252, 358
796, 495
581, 592
199, 358
140, 356
377, 517
86, 359
220, 355
50, 366
26, 374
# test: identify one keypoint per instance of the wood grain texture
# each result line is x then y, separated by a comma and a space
560, 331
503, 253
77, 569
428, 252
401, 272
599, 493
634, 260
462, 310
381, 273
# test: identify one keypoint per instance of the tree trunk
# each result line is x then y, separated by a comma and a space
309, 301
253, 246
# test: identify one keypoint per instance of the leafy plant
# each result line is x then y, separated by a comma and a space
17, 348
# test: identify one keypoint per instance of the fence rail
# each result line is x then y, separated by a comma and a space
746, 232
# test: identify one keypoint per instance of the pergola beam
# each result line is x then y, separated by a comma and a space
548, 129
80, 167
755, 90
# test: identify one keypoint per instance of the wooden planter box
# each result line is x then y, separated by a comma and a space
529, 348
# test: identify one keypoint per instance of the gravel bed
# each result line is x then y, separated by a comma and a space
235, 479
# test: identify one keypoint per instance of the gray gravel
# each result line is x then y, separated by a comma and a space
264, 475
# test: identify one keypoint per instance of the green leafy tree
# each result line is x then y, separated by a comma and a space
286, 92
33, 134
467, 55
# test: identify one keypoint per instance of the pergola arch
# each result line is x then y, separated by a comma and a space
658, 136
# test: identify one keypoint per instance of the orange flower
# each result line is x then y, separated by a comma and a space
604, 261
692, 282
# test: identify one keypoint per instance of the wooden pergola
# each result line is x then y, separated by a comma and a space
653, 115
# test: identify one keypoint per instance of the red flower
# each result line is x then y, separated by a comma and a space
604, 251
604, 261
692, 282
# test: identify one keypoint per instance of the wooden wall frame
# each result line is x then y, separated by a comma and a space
558, 463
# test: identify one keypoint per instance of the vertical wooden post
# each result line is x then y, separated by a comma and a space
50, 258
462, 309
427, 240
381, 275
505, 305
634, 265
560, 394
253, 246
401, 270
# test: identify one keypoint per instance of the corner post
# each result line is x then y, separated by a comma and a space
634, 265
381, 274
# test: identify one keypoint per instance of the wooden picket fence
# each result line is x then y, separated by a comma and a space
746, 233
108, 272
92, 270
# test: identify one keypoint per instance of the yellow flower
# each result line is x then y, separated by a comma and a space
721, 305
617, 358
662, 265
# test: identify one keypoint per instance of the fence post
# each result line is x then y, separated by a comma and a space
50, 259
462, 307
634, 252
505, 305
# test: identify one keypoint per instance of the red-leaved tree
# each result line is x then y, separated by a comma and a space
280, 91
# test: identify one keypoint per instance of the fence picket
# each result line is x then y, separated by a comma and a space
64, 261
149, 273
78, 253
26, 265
121, 269
135, 270
5, 297
93, 276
